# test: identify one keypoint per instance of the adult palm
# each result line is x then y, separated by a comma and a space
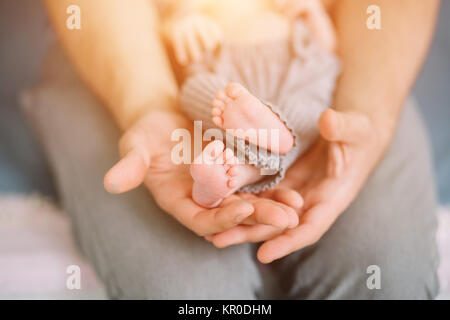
146, 150
329, 177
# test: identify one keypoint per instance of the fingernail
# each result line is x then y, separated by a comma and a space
241, 218
246, 204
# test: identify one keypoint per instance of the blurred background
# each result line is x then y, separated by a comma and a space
35, 267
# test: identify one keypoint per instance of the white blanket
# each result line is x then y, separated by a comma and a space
36, 252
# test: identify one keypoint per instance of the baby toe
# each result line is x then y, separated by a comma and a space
228, 154
225, 157
233, 172
223, 96
213, 150
218, 121
232, 183
220, 95
234, 90
219, 104
216, 112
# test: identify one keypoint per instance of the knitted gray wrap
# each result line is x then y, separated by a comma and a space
295, 78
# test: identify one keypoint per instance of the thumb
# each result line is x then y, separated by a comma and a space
347, 127
128, 173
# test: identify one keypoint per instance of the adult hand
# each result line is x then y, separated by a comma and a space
329, 177
146, 157
192, 36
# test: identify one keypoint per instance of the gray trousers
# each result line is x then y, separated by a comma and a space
139, 251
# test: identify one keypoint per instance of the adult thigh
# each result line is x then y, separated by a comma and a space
138, 250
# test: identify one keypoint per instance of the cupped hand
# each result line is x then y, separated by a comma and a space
329, 177
146, 150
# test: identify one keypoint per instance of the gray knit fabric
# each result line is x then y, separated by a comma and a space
295, 78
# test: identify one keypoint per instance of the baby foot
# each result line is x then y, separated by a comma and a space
239, 109
217, 175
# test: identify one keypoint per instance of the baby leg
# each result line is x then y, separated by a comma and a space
236, 108
217, 175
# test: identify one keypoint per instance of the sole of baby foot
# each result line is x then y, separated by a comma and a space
217, 175
237, 109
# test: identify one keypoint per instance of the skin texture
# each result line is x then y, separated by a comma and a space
353, 137
143, 103
356, 134
314, 14
146, 150
217, 174
192, 35
329, 177
236, 107
192, 30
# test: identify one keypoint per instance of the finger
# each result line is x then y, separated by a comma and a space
344, 127
231, 198
220, 219
290, 198
216, 33
322, 27
193, 45
336, 161
308, 232
180, 47
127, 174
296, 8
275, 214
206, 37
242, 234
286, 196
